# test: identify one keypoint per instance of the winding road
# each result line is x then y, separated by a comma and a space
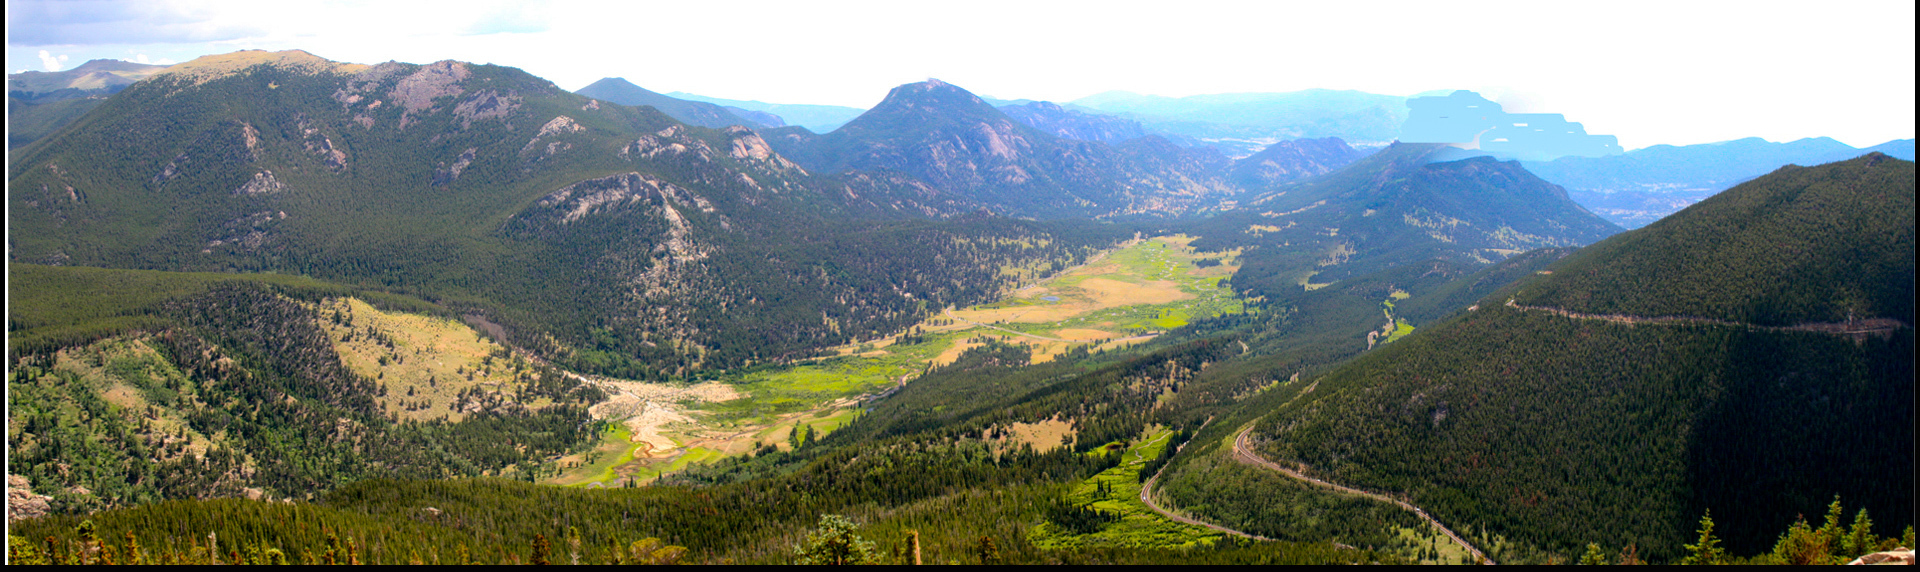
1146, 498
1243, 452
1855, 328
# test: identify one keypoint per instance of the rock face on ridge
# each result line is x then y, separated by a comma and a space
954, 141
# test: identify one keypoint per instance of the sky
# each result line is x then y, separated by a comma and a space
1661, 72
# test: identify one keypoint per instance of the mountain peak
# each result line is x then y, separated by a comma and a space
932, 93
205, 68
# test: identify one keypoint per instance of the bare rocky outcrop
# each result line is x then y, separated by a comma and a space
1896, 556
334, 158
559, 125
671, 141
22, 503
320, 144
748, 147
252, 137
485, 104
417, 91
261, 184
169, 172
248, 232
583, 198
446, 176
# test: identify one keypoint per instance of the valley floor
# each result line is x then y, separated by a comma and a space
1118, 298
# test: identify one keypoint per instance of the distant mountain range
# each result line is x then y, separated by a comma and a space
954, 141
39, 103
623, 92
1291, 161
1241, 124
1072, 124
1392, 208
817, 118
1643, 185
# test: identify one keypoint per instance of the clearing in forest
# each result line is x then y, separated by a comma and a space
421, 363
1118, 298
1115, 493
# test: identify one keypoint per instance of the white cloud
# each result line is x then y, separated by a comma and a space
51, 62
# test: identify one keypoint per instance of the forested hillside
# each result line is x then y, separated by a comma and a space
168, 386
607, 237
269, 307
1393, 208
1557, 430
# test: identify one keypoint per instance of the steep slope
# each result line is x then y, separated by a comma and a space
623, 92
611, 238
1394, 208
1640, 186
957, 143
1569, 417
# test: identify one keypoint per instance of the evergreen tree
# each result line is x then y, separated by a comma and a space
1707, 550
834, 543
1594, 556
1860, 538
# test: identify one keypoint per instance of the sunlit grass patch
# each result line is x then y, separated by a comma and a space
1117, 491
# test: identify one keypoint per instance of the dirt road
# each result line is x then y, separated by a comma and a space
1857, 329
1244, 453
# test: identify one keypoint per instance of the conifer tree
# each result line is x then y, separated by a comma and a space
1594, 556
1707, 550
540, 550
835, 543
1860, 538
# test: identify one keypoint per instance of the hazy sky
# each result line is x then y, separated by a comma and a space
1676, 72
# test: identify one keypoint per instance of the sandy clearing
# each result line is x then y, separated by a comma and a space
647, 408
1043, 436
1110, 293
953, 353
